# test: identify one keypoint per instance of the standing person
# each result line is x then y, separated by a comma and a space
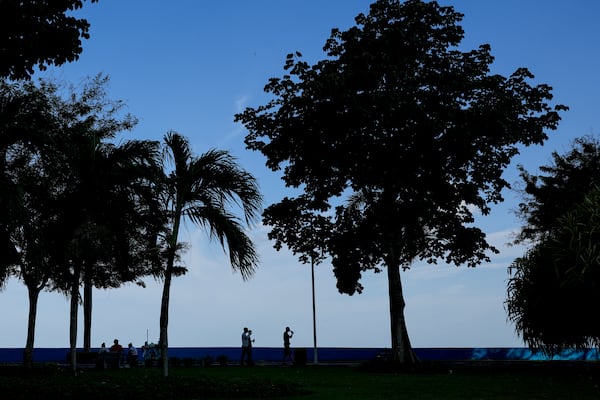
132, 355
246, 349
287, 351
250, 341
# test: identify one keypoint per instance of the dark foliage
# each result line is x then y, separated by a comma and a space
558, 188
554, 287
39, 33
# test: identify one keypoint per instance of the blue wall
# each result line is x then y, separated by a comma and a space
328, 354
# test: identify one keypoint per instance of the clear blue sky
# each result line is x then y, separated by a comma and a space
190, 65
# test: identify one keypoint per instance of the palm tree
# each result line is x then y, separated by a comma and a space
203, 190
109, 217
117, 193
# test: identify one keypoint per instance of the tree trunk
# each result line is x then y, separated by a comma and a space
73, 319
164, 305
34, 293
401, 349
164, 320
87, 311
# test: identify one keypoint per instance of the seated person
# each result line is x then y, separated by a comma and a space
132, 355
116, 347
103, 348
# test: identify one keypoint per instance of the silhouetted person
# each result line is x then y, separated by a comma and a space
246, 347
102, 355
116, 347
250, 345
132, 355
287, 351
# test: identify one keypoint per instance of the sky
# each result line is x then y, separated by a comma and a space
190, 65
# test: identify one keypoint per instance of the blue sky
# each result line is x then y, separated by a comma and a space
190, 65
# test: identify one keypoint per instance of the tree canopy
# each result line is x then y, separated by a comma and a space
556, 283
39, 33
558, 188
415, 130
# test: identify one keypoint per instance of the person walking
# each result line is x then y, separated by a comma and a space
287, 351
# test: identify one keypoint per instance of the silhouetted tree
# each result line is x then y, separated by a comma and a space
28, 127
107, 200
203, 190
560, 187
297, 226
25, 121
556, 283
39, 33
114, 184
418, 131
74, 206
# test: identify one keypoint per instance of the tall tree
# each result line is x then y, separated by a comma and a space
203, 190
416, 130
108, 207
28, 127
39, 33
556, 282
112, 192
74, 205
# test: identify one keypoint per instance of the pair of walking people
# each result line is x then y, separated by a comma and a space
247, 341
247, 347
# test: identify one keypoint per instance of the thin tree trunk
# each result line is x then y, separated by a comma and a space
164, 305
164, 320
87, 311
34, 293
73, 319
401, 348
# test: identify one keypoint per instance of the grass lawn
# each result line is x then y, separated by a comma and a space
308, 383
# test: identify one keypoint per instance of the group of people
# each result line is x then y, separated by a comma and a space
131, 356
247, 341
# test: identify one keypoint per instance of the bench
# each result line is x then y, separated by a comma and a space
109, 360
96, 359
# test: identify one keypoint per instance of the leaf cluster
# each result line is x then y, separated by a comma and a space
38, 34
204, 189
